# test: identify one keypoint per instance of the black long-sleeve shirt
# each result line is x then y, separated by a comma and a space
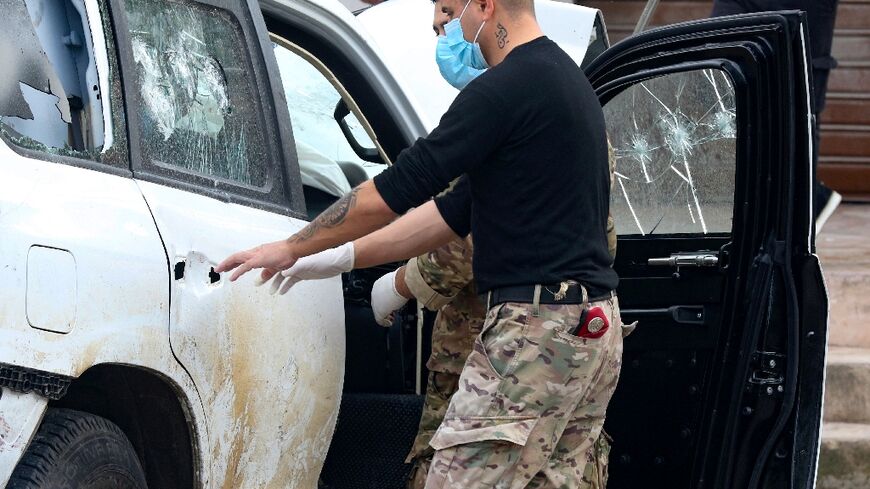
529, 137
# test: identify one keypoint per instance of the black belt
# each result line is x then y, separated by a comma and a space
526, 294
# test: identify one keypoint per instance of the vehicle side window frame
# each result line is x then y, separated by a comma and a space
115, 160
278, 193
330, 77
395, 133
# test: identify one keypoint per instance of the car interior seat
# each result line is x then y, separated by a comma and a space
354, 172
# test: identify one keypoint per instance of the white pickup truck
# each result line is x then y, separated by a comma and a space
142, 141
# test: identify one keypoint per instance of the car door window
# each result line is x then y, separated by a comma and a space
326, 159
198, 108
675, 143
51, 98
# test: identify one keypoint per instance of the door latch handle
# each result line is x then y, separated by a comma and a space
677, 260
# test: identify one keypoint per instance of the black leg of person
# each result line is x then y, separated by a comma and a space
821, 15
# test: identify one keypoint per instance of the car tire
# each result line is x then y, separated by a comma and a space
78, 450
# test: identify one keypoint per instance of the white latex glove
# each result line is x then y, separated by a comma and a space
386, 299
327, 263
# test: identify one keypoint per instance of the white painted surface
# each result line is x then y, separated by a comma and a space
20, 415
92, 78
51, 289
101, 60
571, 26
121, 269
402, 32
121, 273
269, 368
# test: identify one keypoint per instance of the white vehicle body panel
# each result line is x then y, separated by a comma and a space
103, 222
83, 259
113, 275
412, 60
121, 294
269, 368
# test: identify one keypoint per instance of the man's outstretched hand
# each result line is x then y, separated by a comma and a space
271, 257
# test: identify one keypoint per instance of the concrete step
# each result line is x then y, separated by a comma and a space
847, 385
844, 460
849, 299
844, 251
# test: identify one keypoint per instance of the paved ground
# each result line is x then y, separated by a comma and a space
844, 250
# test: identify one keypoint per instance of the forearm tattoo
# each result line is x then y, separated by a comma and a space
330, 218
501, 35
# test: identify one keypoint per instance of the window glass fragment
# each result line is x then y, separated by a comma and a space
198, 105
675, 143
48, 96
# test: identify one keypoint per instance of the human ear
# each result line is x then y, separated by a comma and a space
487, 8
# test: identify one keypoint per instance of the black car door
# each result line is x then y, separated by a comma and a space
722, 378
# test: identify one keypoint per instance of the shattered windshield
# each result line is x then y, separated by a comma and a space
675, 143
198, 107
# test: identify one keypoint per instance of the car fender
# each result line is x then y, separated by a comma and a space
110, 304
20, 415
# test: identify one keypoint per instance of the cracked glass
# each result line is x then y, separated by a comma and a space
198, 108
675, 143
50, 98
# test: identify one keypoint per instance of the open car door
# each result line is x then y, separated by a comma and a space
722, 380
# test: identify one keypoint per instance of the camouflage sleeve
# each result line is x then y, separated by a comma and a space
436, 277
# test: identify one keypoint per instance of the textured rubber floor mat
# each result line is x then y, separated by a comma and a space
372, 438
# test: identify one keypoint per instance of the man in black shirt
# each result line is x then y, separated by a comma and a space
528, 139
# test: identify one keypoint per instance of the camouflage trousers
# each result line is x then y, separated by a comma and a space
530, 404
453, 334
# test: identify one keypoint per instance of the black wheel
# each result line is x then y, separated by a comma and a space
78, 450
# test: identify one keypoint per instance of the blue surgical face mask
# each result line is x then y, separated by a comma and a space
468, 53
452, 69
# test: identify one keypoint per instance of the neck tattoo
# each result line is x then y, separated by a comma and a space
501, 35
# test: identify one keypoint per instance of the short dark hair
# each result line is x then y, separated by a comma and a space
518, 5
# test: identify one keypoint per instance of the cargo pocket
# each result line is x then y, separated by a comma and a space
602, 457
478, 452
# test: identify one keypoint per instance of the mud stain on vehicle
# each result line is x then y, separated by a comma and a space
269, 377
5, 431
279, 439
